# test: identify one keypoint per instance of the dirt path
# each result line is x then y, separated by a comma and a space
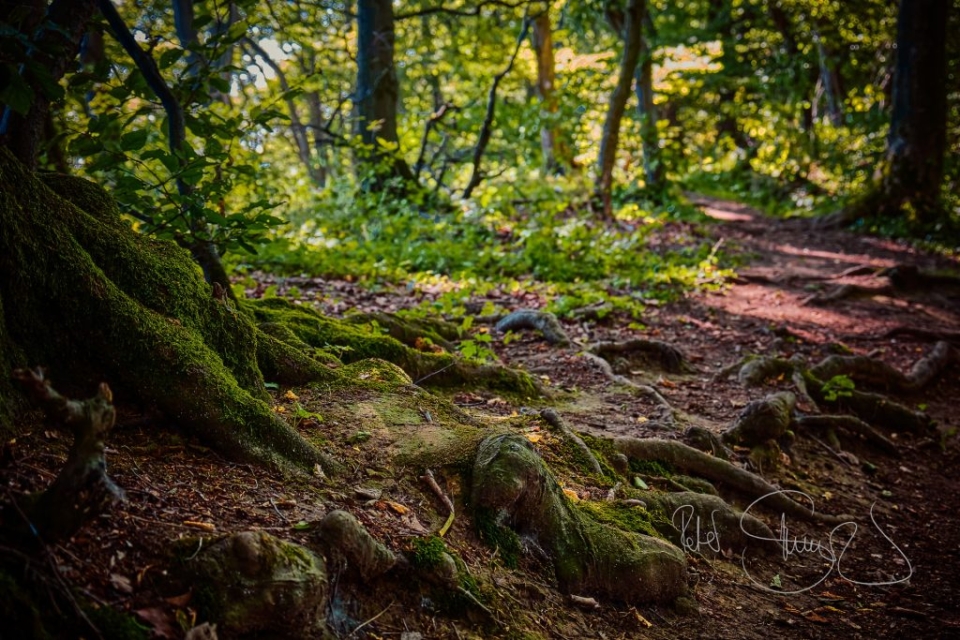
770, 309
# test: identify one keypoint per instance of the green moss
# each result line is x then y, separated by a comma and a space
97, 301
626, 518
352, 343
651, 468
502, 538
428, 552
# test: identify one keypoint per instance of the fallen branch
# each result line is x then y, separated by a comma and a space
82, 490
552, 418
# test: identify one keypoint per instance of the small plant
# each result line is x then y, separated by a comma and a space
838, 387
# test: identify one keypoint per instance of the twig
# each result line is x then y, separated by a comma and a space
828, 448
362, 625
432, 483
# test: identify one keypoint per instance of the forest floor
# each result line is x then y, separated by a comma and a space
777, 305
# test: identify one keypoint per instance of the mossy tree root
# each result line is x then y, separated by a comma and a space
655, 353
97, 300
513, 488
409, 331
695, 462
351, 343
732, 528
542, 321
870, 407
552, 418
762, 420
879, 374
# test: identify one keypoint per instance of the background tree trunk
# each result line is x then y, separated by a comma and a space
653, 169
630, 28
913, 169
556, 154
377, 92
23, 133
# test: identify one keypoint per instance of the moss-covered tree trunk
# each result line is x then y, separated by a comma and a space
92, 300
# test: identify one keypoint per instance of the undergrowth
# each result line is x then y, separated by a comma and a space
539, 238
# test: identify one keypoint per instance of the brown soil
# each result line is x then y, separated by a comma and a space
178, 488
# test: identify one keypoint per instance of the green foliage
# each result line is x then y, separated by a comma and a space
840, 386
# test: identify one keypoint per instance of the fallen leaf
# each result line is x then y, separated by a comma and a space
181, 600
397, 507
121, 583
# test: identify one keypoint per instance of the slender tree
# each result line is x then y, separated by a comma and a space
653, 168
556, 152
629, 24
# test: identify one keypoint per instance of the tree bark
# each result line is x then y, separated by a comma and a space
917, 138
22, 134
653, 169
556, 154
631, 31
378, 90
908, 179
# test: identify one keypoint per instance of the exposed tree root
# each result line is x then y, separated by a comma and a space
542, 321
342, 538
659, 354
706, 440
82, 490
554, 420
512, 487
149, 323
690, 460
852, 425
413, 333
687, 509
880, 374
667, 412
762, 420
351, 343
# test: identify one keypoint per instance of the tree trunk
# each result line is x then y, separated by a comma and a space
377, 92
653, 169
917, 138
22, 133
631, 31
556, 154
909, 177
831, 82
